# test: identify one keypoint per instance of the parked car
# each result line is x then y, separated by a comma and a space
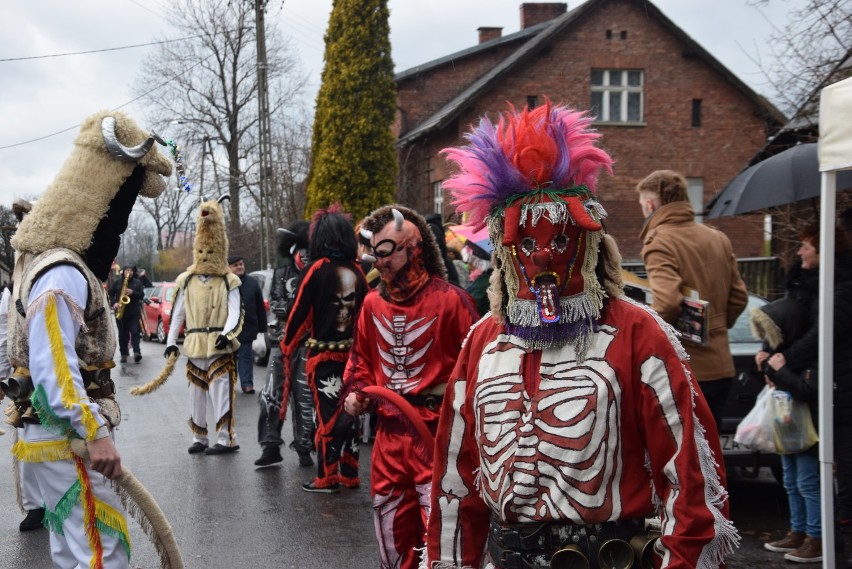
158, 313
744, 388
145, 333
261, 345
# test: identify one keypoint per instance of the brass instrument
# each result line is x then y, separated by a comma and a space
124, 299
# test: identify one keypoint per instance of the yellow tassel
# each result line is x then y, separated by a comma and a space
60, 363
70, 397
41, 451
111, 517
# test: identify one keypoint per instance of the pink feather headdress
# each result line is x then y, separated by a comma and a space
548, 150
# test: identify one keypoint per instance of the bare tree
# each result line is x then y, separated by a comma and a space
203, 90
808, 50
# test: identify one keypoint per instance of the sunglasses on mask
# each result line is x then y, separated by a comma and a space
386, 248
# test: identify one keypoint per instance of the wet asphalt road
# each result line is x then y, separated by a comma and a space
228, 514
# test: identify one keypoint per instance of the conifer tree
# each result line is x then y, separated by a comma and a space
353, 160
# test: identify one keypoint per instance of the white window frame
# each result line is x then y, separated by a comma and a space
607, 88
438, 197
695, 192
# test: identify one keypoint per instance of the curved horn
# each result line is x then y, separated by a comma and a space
283, 231
223, 197
366, 234
581, 217
117, 149
397, 219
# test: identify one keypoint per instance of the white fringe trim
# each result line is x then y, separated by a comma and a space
37, 306
727, 539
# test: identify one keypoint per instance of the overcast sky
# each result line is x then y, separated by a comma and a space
39, 97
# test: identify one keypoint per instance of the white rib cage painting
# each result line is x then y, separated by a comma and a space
561, 459
402, 363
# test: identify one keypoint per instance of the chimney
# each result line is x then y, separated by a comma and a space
487, 34
533, 13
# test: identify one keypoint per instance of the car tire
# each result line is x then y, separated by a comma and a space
161, 331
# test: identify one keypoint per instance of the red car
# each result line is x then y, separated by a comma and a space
158, 312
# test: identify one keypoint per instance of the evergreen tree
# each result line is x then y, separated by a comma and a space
353, 160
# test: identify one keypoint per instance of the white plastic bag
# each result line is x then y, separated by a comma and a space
793, 427
756, 430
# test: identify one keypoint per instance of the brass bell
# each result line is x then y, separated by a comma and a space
569, 557
615, 554
643, 549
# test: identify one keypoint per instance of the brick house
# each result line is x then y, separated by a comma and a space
662, 101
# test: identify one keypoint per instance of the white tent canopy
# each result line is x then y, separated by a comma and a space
835, 153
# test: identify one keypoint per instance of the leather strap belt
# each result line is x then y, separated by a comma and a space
101, 392
207, 330
431, 402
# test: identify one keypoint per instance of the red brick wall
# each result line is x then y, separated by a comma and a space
730, 134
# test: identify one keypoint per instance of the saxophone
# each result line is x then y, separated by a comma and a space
124, 299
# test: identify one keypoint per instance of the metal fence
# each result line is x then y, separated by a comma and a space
762, 275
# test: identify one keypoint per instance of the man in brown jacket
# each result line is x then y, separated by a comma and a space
678, 253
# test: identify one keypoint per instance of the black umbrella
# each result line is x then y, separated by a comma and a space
787, 177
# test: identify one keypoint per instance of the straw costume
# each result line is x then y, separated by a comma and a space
62, 338
571, 415
208, 302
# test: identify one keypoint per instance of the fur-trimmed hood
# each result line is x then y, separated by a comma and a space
432, 260
210, 247
72, 208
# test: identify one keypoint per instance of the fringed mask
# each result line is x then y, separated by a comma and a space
531, 180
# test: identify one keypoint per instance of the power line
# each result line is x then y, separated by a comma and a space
158, 86
98, 50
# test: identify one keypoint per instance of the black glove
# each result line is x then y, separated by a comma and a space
171, 350
222, 342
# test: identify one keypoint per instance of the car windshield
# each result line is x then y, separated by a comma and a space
741, 331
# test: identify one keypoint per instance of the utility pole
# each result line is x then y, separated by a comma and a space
266, 170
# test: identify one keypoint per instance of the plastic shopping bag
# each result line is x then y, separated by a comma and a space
793, 427
756, 431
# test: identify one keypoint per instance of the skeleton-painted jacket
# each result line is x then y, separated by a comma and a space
411, 346
533, 436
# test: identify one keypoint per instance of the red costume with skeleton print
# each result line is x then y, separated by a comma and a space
408, 345
572, 414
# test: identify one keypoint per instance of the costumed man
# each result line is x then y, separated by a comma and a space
26, 486
62, 337
293, 249
407, 340
330, 294
572, 414
208, 300
126, 294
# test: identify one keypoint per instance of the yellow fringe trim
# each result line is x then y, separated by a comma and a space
111, 517
41, 451
70, 397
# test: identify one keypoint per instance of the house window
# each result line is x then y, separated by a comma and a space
617, 95
695, 192
438, 197
532, 101
696, 112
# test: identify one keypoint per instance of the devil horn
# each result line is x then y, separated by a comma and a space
117, 149
223, 197
397, 219
366, 234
